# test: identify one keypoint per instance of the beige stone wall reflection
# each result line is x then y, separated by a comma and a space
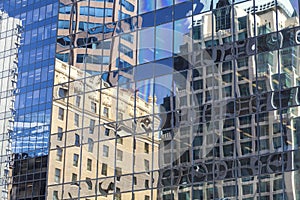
96, 145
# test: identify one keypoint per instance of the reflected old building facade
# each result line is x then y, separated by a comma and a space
160, 99
91, 153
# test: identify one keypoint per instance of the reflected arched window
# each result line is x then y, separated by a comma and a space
222, 15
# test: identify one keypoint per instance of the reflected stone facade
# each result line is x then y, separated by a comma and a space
160, 99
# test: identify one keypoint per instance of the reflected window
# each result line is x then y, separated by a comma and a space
92, 59
57, 175
92, 126
197, 85
264, 130
147, 165
95, 12
76, 119
77, 101
65, 24
105, 44
227, 78
104, 169
278, 185
277, 142
106, 133
89, 183
228, 136
59, 154
128, 37
89, 164
118, 172
146, 147
119, 155
87, 42
264, 144
197, 28
59, 133
74, 178
264, 186
55, 195
75, 160
90, 145
246, 147
92, 28
77, 140
229, 191
242, 22
184, 195
105, 151
228, 150
61, 113
126, 50
65, 9
105, 112
198, 141
93, 107
64, 41
119, 140
244, 89
62, 92
222, 15
146, 184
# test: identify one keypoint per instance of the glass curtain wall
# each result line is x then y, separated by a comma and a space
160, 99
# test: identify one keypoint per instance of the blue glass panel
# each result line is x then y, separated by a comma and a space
145, 88
164, 15
164, 66
146, 6
181, 29
65, 9
147, 20
146, 46
163, 3
144, 71
163, 88
180, 1
200, 7
183, 10
164, 40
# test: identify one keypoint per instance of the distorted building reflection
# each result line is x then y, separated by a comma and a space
94, 149
11, 28
235, 128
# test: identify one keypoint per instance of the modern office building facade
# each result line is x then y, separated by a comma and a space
140, 99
